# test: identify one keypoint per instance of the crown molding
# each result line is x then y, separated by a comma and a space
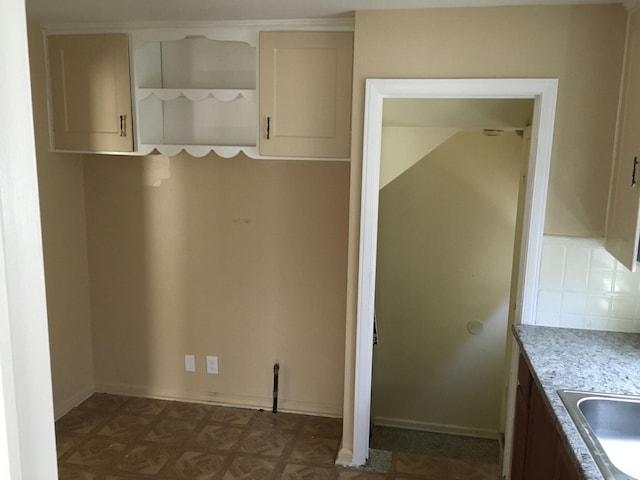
341, 23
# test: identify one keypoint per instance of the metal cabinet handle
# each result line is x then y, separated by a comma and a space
123, 125
633, 173
268, 127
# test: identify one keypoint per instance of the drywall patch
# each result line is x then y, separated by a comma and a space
155, 169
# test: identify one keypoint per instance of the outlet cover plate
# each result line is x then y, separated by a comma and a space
189, 363
212, 364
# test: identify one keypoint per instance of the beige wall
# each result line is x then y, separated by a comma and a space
445, 248
580, 45
62, 210
408, 145
239, 258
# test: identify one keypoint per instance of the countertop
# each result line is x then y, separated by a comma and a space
587, 360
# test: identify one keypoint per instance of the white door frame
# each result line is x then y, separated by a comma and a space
544, 93
27, 440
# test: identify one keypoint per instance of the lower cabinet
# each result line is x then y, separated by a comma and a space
538, 451
564, 468
521, 425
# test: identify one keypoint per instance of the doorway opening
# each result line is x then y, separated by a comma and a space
543, 92
451, 172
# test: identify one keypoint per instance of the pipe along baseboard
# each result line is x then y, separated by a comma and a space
276, 369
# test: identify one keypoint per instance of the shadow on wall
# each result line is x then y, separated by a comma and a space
121, 244
445, 251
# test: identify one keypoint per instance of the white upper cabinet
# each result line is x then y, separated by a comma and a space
305, 94
90, 93
195, 90
623, 224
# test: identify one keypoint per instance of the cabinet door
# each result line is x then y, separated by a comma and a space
541, 441
519, 436
521, 425
622, 228
564, 469
305, 93
538, 451
90, 92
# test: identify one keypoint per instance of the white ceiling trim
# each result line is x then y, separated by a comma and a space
336, 24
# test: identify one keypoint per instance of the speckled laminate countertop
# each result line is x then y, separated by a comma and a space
587, 360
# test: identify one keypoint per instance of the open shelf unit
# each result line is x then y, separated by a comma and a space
196, 90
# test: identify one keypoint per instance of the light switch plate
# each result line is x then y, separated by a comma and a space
212, 364
189, 363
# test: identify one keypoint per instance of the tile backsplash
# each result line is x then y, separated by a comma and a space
583, 286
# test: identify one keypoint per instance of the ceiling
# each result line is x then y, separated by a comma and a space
135, 11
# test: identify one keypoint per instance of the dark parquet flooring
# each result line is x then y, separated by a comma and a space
112, 437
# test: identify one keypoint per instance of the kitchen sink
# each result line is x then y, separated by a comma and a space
610, 427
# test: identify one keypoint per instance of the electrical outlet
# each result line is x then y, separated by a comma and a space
212, 364
189, 363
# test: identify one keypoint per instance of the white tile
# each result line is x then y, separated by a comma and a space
601, 259
548, 319
601, 281
572, 321
626, 282
582, 286
551, 279
578, 258
575, 303
598, 305
624, 307
576, 280
554, 250
597, 323
552, 267
621, 325
549, 302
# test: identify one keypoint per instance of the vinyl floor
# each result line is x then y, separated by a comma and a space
112, 437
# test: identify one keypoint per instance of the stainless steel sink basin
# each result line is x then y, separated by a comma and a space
610, 427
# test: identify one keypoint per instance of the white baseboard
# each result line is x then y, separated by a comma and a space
226, 400
62, 407
436, 427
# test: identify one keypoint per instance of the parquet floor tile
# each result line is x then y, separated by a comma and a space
113, 437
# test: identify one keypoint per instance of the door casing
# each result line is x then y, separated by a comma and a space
544, 94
